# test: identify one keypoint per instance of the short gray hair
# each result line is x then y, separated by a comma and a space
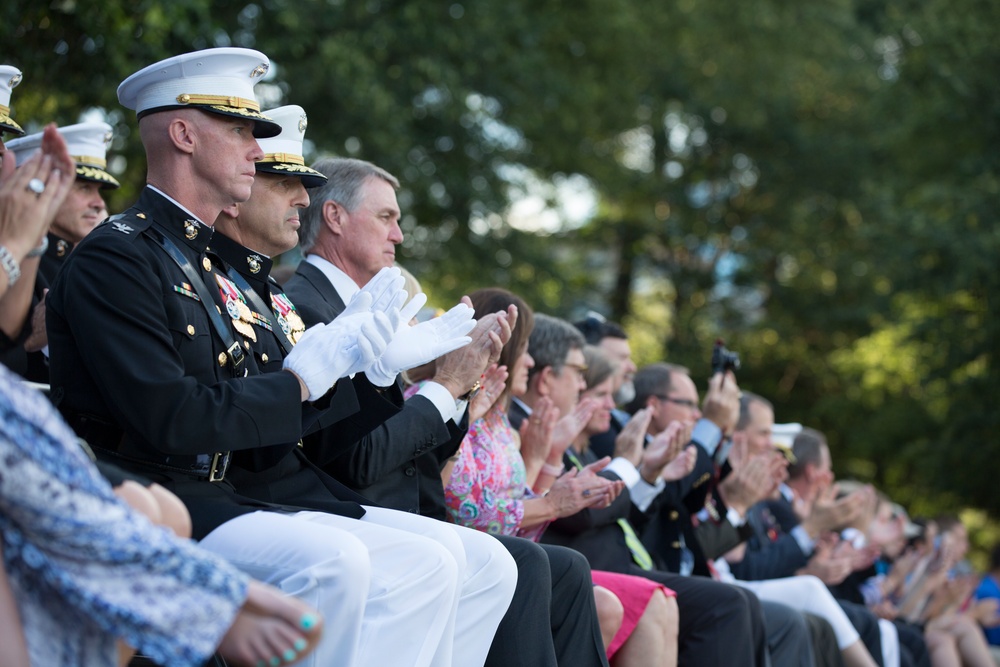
551, 341
345, 176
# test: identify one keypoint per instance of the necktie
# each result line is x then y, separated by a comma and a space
639, 553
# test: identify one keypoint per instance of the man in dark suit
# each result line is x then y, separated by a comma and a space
349, 233
148, 369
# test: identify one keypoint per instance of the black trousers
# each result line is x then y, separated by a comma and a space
719, 624
787, 636
866, 623
824, 641
552, 619
912, 647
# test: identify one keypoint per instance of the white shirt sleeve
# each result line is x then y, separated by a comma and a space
641, 491
442, 399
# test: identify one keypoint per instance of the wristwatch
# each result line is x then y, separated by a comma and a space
471, 394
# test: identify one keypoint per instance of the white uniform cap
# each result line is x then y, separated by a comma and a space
10, 76
87, 144
283, 153
219, 81
783, 435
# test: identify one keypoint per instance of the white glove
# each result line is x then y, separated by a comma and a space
387, 296
348, 345
416, 345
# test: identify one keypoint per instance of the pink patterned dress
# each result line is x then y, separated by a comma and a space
488, 484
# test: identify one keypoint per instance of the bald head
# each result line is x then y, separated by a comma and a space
204, 161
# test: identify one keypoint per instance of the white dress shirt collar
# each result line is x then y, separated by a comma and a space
344, 285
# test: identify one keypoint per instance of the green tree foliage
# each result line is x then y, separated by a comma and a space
815, 182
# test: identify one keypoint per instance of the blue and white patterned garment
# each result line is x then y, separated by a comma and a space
85, 569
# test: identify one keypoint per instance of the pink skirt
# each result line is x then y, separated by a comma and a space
634, 593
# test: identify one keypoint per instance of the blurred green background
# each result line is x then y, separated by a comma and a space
815, 182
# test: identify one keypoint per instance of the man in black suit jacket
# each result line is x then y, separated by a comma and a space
349, 233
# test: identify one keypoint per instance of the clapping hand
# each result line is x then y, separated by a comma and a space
494, 381
571, 425
663, 449
31, 196
630, 441
348, 345
418, 344
577, 490
536, 433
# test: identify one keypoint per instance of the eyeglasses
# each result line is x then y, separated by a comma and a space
684, 402
579, 368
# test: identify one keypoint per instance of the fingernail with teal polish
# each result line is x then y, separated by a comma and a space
275, 661
308, 621
261, 663
300, 644
290, 655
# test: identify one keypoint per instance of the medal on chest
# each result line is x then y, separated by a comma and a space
289, 321
236, 307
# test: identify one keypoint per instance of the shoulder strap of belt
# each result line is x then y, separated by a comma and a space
258, 303
237, 360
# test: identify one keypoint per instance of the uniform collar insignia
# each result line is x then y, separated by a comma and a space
122, 227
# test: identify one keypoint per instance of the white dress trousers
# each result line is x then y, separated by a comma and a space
394, 588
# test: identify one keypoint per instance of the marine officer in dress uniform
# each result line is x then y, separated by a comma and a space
247, 236
150, 365
82, 210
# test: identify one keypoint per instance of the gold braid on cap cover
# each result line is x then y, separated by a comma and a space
219, 100
289, 158
90, 160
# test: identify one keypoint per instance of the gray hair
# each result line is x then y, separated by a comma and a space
652, 380
551, 341
345, 176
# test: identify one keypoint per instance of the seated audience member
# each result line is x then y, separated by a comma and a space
82, 210
349, 231
81, 570
488, 489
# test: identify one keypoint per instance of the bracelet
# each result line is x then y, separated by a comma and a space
9, 264
42, 247
549, 469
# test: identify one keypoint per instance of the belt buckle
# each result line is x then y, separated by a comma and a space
220, 464
235, 354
